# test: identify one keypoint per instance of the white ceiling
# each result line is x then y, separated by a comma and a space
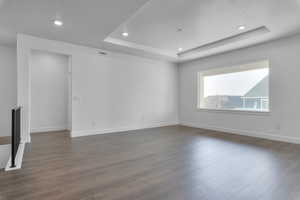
152, 24
86, 22
204, 21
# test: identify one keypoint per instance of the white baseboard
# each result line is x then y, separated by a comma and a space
18, 160
120, 129
263, 135
48, 129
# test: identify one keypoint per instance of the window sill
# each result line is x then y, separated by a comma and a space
241, 112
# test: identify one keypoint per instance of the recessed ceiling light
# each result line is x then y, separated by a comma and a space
58, 22
180, 49
125, 34
242, 27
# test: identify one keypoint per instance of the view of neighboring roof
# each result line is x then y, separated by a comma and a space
260, 89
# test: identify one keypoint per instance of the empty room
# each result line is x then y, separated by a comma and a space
149, 100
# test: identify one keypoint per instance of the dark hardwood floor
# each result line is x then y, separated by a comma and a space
169, 163
5, 140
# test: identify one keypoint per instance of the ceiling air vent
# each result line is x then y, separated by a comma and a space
102, 53
235, 38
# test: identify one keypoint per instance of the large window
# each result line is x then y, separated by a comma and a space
243, 88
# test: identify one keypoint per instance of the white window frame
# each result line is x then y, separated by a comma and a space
237, 68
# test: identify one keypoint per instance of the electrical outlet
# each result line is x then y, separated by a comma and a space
75, 98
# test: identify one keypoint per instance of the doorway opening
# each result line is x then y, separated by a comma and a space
50, 92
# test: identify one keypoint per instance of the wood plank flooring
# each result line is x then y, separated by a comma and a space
168, 163
5, 140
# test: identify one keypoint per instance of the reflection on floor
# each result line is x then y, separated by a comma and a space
168, 163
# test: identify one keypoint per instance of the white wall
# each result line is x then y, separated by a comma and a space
49, 91
283, 123
4, 155
8, 87
109, 93
122, 92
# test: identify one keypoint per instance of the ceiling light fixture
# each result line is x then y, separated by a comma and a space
58, 22
180, 49
125, 34
242, 27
